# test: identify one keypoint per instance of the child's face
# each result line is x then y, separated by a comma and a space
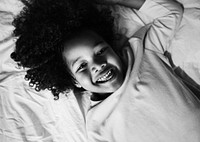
93, 63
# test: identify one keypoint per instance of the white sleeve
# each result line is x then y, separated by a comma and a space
165, 17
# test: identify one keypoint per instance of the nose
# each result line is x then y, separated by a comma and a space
98, 67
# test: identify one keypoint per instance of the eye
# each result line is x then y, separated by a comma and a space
100, 52
82, 66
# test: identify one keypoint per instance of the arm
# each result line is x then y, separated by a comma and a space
136, 4
164, 17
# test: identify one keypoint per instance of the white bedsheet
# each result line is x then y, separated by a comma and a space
30, 116
27, 115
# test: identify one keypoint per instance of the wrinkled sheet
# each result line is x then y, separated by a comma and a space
30, 116
27, 115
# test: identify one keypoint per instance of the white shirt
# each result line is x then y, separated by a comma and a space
152, 105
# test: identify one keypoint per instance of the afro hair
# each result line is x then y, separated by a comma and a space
42, 27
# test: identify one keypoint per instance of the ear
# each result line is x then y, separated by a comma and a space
77, 84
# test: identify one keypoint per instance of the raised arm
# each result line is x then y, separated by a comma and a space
164, 17
136, 4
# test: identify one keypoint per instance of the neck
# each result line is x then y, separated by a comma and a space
99, 97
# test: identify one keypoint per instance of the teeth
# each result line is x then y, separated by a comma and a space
104, 78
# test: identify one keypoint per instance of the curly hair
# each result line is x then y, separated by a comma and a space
42, 27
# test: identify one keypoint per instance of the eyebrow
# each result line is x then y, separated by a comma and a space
96, 44
75, 61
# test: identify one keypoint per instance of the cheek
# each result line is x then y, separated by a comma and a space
115, 60
85, 82
83, 78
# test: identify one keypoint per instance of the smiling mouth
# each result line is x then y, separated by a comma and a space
106, 77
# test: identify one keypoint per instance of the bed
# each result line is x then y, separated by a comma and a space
29, 116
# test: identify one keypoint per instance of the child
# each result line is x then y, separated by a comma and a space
41, 28
135, 95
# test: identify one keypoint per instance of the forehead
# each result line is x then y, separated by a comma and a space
84, 38
80, 44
